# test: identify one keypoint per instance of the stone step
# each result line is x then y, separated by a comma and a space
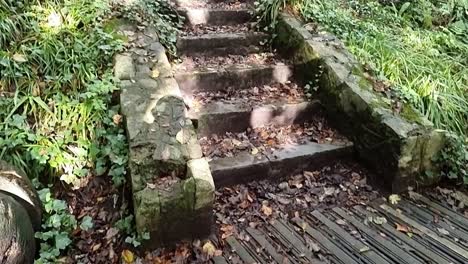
233, 76
217, 16
234, 43
236, 116
289, 160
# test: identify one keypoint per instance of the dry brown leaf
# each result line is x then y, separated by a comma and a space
266, 210
254, 151
19, 58
402, 228
117, 119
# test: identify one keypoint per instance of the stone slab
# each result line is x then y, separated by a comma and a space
197, 16
236, 76
237, 115
284, 162
207, 42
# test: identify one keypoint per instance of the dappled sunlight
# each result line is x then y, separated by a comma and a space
198, 16
282, 74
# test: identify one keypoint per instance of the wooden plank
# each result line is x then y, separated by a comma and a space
357, 245
258, 236
340, 255
455, 248
219, 260
240, 250
293, 240
441, 209
419, 249
391, 250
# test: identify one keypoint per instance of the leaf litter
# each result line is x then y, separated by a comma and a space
266, 139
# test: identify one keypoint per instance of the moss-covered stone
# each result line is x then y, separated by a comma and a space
398, 146
162, 140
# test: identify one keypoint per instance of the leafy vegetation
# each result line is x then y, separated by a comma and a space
157, 14
419, 46
58, 118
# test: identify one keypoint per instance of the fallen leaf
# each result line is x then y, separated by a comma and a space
443, 231
380, 220
19, 58
394, 198
128, 256
254, 151
209, 249
183, 136
244, 204
364, 249
155, 74
117, 119
402, 228
266, 210
341, 222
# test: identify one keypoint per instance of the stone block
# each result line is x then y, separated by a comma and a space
124, 69
199, 171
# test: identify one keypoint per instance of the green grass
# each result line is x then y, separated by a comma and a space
426, 64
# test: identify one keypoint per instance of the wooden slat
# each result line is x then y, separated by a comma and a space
393, 251
219, 260
240, 250
441, 209
261, 239
419, 249
455, 248
293, 240
356, 244
340, 255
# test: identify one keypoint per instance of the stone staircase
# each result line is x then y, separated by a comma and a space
233, 85
232, 111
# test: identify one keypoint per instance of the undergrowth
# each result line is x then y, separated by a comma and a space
419, 46
58, 119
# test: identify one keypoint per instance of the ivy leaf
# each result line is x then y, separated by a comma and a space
62, 241
86, 223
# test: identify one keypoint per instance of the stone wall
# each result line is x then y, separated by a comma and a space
173, 190
398, 146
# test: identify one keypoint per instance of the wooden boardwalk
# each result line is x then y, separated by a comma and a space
412, 231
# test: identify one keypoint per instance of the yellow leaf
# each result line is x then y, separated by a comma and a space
266, 210
183, 136
254, 151
19, 57
117, 119
394, 198
128, 256
209, 249
155, 74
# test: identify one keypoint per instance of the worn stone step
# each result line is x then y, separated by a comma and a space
206, 43
237, 116
289, 160
216, 16
234, 76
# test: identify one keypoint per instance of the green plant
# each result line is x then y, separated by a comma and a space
158, 14
454, 159
56, 228
127, 226
425, 62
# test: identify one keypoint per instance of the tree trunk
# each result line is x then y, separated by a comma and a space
17, 244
